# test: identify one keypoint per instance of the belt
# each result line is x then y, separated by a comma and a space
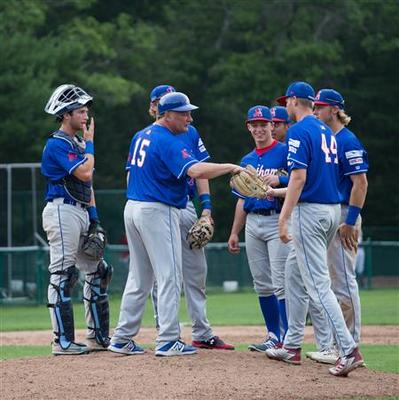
266, 212
67, 201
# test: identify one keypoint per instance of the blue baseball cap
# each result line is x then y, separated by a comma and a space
259, 113
298, 89
175, 101
161, 90
280, 114
329, 97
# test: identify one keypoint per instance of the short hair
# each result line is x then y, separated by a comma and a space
343, 117
305, 103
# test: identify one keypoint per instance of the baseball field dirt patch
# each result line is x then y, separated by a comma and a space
210, 374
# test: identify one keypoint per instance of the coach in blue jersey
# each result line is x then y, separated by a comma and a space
266, 253
313, 199
194, 261
352, 185
158, 165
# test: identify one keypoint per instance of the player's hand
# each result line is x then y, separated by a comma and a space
271, 180
270, 192
237, 169
285, 237
207, 213
234, 244
349, 236
88, 133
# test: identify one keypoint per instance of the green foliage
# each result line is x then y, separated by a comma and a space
226, 55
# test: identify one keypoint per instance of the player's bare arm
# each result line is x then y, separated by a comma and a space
294, 189
240, 217
85, 171
271, 180
281, 192
212, 170
348, 233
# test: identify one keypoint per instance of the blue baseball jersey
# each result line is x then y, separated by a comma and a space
312, 146
266, 161
194, 142
60, 158
352, 158
158, 162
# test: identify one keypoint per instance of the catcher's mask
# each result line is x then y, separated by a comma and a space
67, 98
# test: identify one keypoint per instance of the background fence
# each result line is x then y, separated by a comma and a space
24, 275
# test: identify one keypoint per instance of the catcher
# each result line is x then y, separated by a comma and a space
258, 212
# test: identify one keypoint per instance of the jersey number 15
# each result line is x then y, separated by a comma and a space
138, 159
329, 151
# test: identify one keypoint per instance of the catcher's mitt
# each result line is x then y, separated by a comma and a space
249, 183
200, 233
95, 242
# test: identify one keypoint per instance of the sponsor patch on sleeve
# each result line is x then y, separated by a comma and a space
353, 154
292, 149
294, 142
354, 161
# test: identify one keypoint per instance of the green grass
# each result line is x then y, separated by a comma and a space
379, 307
378, 357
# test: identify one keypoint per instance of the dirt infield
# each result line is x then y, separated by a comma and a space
211, 374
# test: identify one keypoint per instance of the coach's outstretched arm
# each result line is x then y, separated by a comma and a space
205, 170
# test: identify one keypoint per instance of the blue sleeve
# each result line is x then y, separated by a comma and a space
354, 159
298, 150
64, 155
177, 156
283, 180
130, 155
199, 149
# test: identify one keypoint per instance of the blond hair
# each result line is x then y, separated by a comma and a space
343, 117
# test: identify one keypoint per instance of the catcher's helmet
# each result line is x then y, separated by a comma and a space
176, 101
67, 98
160, 91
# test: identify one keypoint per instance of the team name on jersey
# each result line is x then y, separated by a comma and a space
266, 171
293, 145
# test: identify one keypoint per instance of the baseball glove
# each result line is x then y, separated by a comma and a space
248, 183
200, 233
95, 242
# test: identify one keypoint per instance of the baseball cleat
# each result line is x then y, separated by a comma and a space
129, 348
93, 345
175, 348
329, 356
347, 363
72, 349
290, 356
213, 343
270, 343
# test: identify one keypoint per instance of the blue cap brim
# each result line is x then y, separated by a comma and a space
186, 107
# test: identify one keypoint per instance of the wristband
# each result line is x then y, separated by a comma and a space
93, 216
89, 147
353, 213
205, 200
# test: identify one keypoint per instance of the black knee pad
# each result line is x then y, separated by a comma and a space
63, 309
98, 301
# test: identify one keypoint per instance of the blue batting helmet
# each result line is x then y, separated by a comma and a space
176, 101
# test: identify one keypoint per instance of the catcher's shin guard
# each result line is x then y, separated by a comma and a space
63, 309
98, 302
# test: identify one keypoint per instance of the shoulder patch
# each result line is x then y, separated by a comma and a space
353, 153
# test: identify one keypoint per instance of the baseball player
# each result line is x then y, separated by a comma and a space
158, 165
194, 261
281, 123
266, 253
67, 164
322, 331
352, 185
313, 199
